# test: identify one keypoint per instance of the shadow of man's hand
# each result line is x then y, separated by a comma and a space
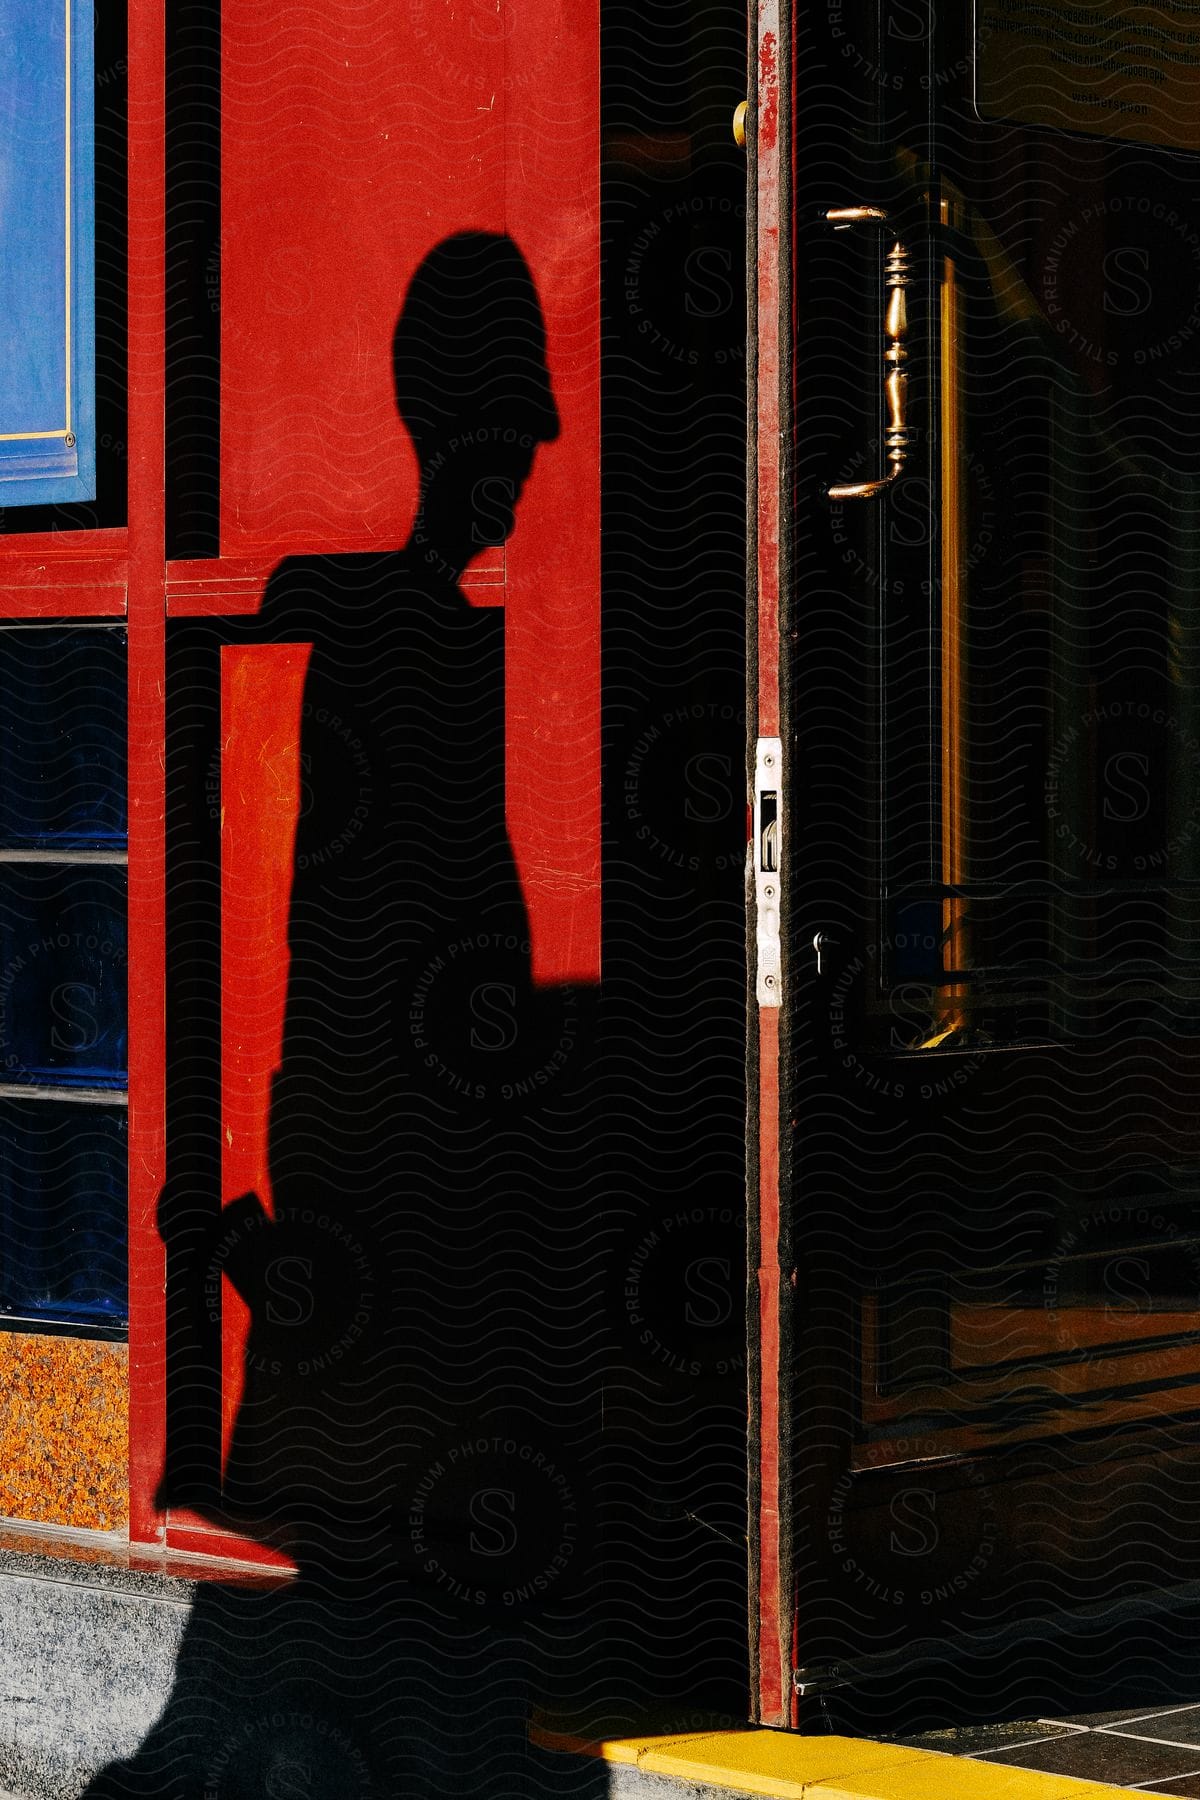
234, 1240
245, 1239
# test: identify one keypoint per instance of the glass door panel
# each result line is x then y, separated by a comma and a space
995, 1048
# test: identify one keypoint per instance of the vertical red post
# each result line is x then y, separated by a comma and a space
552, 586
321, 231
773, 1627
147, 736
262, 691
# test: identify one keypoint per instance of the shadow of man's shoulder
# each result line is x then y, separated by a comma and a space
313, 596
354, 599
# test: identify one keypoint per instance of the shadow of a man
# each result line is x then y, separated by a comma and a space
405, 1426
409, 952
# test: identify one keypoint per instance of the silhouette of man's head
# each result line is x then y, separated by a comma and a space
473, 389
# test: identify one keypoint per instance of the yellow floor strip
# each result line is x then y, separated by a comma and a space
791, 1767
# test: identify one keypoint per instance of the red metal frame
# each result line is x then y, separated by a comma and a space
52, 574
147, 732
333, 190
540, 178
373, 200
262, 691
773, 1700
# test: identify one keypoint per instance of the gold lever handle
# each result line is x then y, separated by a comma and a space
895, 355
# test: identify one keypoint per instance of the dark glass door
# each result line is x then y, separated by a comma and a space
992, 982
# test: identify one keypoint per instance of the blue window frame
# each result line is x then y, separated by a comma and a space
47, 238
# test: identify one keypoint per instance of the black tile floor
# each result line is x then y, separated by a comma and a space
1151, 1752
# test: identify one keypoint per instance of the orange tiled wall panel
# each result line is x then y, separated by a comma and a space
64, 1431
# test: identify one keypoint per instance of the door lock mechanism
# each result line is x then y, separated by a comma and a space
768, 869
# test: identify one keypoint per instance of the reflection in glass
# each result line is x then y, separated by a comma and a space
63, 1212
62, 975
62, 737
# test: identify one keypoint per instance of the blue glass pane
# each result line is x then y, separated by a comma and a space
47, 185
63, 1244
62, 737
62, 975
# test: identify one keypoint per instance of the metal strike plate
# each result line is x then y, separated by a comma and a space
767, 850
819, 1678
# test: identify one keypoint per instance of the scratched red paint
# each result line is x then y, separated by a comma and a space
768, 80
147, 301
775, 1622
262, 687
336, 181
262, 690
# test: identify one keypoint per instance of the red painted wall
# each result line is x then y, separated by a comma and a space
354, 138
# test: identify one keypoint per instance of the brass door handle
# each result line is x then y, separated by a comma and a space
895, 354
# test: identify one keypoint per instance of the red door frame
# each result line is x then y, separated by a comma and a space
553, 645
552, 694
772, 1621
147, 776
110, 573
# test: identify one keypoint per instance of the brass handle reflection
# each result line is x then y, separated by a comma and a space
895, 355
